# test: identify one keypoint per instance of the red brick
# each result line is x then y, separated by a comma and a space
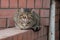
6, 13
20, 36
9, 38
44, 21
41, 31
13, 3
38, 4
4, 39
38, 34
30, 3
39, 38
46, 3
4, 3
45, 30
2, 28
2, 22
27, 35
10, 22
22, 3
44, 38
34, 35
44, 13
15, 37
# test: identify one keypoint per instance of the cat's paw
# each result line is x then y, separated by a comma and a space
36, 29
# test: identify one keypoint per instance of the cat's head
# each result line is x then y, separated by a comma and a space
26, 15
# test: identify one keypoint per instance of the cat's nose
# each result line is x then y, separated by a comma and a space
24, 17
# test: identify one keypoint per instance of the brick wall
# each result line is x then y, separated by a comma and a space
9, 7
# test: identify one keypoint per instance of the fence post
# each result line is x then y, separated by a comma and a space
52, 21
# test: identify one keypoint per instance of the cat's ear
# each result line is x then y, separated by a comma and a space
32, 10
21, 10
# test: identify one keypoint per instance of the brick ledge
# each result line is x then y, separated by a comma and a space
10, 32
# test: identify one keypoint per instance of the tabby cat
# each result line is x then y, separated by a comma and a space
27, 19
